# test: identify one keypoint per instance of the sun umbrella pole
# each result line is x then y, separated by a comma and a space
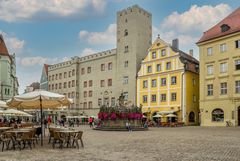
41, 121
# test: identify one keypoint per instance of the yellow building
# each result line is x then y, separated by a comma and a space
219, 50
168, 83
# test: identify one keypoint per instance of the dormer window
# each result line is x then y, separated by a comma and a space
225, 28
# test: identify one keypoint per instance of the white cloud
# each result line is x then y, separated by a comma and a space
196, 18
38, 60
189, 25
17, 10
31, 61
13, 44
88, 51
106, 37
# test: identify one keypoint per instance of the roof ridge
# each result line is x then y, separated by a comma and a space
228, 16
3, 47
232, 20
187, 56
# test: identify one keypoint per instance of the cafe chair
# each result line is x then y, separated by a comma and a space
24, 138
6, 138
76, 138
57, 138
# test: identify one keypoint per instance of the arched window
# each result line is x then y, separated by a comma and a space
218, 115
191, 117
126, 32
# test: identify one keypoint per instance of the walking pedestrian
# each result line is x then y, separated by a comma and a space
90, 120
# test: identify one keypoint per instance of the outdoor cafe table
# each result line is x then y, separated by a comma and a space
16, 132
68, 133
5, 129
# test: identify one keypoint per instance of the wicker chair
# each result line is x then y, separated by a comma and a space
6, 138
51, 132
58, 138
35, 136
76, 138
32, 137
24, 138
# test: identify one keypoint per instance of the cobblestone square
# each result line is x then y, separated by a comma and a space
173, 144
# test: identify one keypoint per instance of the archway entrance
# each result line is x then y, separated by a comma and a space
239, 116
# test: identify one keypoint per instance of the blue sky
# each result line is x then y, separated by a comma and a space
50, 31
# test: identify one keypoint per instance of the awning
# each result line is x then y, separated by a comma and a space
171, 115
166, 112
3, 104
157, 116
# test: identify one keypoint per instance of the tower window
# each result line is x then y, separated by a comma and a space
125, 80
126, 32
126, 49
126, 20
126, 64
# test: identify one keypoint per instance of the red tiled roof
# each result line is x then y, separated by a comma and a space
3, 48
232, 20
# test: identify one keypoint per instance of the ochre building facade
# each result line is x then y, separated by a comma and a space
168, 83
219, 50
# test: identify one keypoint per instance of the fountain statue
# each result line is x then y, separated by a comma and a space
115, 117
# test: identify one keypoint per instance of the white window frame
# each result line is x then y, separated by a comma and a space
223, 88
223, 67
210, 70
165, 81
158, 67
165, 97
145, 84
174, 96
237, 86
168, 65
125, 79
209, 51
154, 83
149, 69
237, 64
154, 55
153, 98
173, 81
163, 52
145, 99
125, 94
223, 47
210, 90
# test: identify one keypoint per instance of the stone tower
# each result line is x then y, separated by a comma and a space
134, 37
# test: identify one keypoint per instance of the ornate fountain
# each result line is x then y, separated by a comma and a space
114, 118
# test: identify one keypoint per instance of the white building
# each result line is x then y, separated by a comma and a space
100, 78
8, 79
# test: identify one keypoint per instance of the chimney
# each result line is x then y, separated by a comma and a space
191, 52
175, 44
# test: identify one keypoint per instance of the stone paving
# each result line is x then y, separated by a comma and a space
172, 144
